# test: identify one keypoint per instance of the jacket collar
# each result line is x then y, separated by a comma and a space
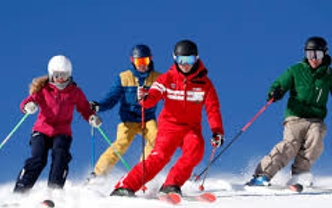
200, 72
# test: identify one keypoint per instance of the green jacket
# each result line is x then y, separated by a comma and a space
309, 89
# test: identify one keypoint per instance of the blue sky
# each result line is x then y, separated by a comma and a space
244, 44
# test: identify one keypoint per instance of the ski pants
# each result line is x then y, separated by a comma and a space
40, 145
303, 142
191, 143
125, 136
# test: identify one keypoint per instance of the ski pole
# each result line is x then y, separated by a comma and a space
115, 150
143, 151
93, 142
13, 130
197, 177
144, 188
201, 187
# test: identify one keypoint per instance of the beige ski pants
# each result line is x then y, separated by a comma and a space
303, 142
125, 135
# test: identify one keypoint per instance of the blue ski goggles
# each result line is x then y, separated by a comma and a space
190, 60
314, 54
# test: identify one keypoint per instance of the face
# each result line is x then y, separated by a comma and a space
185, 68
142, 68
315, 63
60, 77
315, 58
59, 80
185, 63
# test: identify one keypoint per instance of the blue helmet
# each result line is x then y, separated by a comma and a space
140, 51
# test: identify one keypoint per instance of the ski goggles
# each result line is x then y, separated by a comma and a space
141, 61
60, 74
190, 60
312, 54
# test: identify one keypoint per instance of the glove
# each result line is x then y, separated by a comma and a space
276, 94
30, 108
142, 92
217, 140
95, 121
94, 106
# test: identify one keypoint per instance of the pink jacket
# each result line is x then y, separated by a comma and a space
56, 108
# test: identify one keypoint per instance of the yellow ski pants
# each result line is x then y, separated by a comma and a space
125, 135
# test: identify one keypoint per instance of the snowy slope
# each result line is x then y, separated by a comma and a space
228, 188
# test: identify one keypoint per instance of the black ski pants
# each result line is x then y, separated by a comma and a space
40, 145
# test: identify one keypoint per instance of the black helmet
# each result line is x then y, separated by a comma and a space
316, 43
185, 48
141, 51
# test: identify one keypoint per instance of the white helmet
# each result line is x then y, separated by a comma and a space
59, 63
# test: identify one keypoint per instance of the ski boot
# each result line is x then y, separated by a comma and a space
123, 192
170, 189
20, 188
261, 180
305, 179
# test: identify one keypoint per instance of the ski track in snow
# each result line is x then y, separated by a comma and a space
228, 188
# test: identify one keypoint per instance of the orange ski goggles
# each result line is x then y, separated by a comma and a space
141, 61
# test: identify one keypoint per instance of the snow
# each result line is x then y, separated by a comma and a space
228, 187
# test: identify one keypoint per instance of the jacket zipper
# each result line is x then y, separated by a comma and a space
185, 92
319, 94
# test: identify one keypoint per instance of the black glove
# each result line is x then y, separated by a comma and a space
276, 94
94, 106
217, 140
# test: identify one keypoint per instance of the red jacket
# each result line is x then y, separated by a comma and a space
56, 108
184, 98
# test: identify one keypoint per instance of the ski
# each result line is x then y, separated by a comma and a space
171, 198
10, 204
317, 190
288, 189
48, 203
204, 197
174, 198
296, 187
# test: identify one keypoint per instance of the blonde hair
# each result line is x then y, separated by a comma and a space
38, 83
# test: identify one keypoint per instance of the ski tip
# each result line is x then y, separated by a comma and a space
296, 187
48, 203
172, 198
208, 197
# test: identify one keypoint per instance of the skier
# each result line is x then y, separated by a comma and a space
185, 89
56, 95
309, 83
124, 90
